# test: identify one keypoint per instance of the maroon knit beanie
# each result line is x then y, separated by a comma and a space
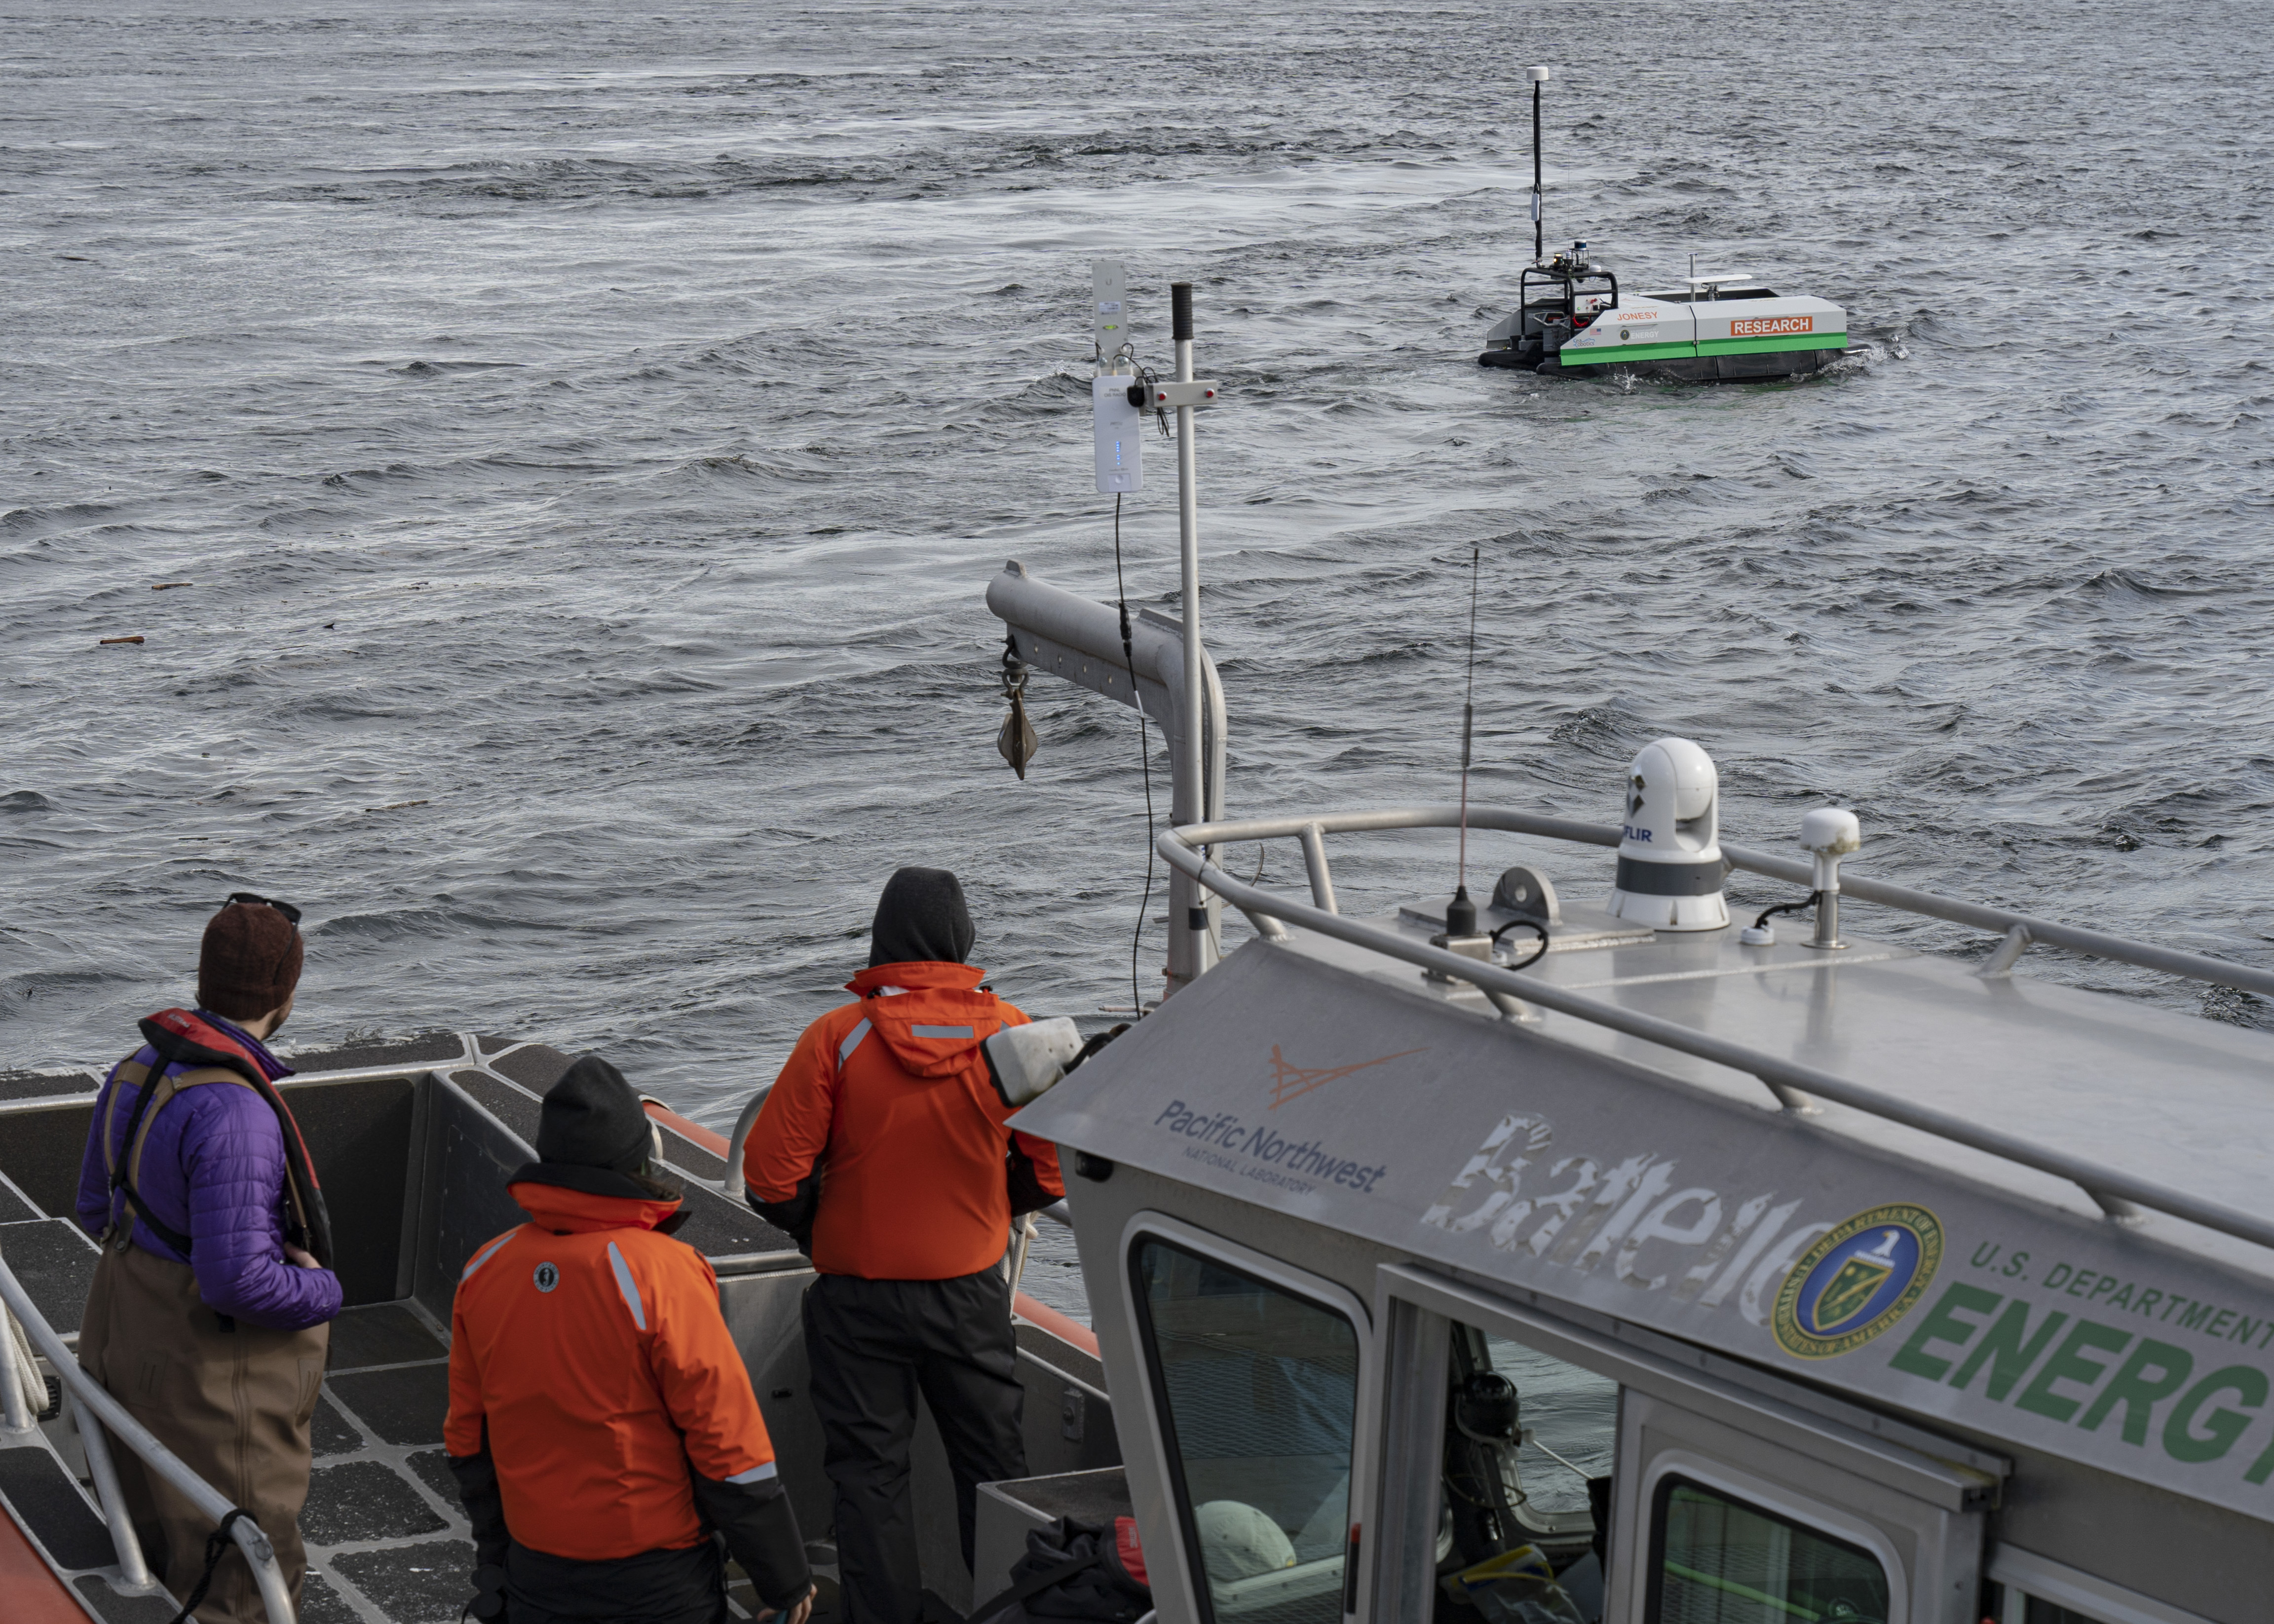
250, 961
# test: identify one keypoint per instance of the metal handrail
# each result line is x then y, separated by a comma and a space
732, 1186
17, 1413
89, 1396
2001, 921
350, 1074
2117, 1192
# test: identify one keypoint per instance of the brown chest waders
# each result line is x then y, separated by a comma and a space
233, 1400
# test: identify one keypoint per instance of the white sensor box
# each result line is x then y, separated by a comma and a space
1108, 318
1120, 436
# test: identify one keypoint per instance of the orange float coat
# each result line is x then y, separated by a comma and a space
888, 1098
592, 1350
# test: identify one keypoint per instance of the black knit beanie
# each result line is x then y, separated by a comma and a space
921, 918
592, 1118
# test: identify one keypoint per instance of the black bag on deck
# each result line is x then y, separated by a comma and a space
1075, 1570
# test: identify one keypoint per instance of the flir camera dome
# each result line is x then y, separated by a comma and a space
1669, 840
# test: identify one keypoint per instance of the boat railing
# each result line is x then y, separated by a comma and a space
81, 1390
1796, 1086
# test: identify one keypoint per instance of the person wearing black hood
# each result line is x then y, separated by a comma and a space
884, 1150
602, 1428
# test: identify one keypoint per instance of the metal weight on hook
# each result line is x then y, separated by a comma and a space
1017, 741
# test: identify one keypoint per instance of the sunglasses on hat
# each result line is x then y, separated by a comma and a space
291, 914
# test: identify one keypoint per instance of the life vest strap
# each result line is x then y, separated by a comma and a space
126, 1172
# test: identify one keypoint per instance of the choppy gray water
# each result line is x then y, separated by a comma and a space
588, 437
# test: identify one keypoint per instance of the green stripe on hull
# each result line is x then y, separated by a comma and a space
1605, 355
1769, 346
1612, 354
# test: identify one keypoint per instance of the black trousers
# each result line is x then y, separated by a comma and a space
656, 1587
873, 1345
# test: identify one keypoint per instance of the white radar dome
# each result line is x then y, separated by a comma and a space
1669, 840
1831, 831
1828, 834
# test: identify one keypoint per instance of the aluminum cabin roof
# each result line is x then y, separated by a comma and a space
1331, 1083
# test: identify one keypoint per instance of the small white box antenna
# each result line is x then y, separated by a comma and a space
1120, 431
1108, 311
1119, 424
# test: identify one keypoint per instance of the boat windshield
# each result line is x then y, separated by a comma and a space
1260, 1390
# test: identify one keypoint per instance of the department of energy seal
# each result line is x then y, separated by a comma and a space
1857, 1280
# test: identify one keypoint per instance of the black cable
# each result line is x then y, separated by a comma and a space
1151, 381
217, 1544
1144, 760
1529, 924
1810, 901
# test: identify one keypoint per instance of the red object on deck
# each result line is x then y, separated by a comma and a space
693, 1132
1063, 1327
36, 1596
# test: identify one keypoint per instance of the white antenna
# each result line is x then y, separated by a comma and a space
1538, 77
1109, 320
1117, 422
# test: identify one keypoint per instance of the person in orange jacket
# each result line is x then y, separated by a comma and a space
602, 1428
882, 1149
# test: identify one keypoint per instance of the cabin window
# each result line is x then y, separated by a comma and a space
1715, 1560
1257, 1390
1528, 1447
1571, 1427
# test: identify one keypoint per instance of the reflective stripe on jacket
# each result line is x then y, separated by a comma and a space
889, 1097
593, 1350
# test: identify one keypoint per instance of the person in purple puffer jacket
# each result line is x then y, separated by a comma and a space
210, 1314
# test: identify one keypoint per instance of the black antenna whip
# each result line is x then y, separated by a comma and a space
1538, 76
1461, 916
1144, 761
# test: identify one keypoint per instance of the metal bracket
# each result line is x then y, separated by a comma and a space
1314, 860
1166, 394
1512, 1009
1526, 892
2115, 1207
2004, 956
1791, 1098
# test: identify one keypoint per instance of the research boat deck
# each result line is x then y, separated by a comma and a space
413, 1142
